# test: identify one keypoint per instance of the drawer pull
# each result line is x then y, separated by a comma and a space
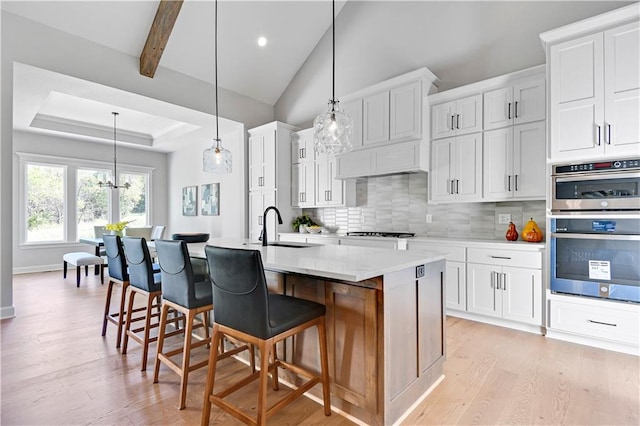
602, 323
500, 257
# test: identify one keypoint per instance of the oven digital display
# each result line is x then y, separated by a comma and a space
603, 226
602, 165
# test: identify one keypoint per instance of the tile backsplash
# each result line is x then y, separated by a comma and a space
399, 203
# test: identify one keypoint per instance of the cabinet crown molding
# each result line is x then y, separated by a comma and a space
590, 25
273, 126
419, 74
485, 85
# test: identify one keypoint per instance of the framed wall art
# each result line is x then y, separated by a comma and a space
210, 199
190, 201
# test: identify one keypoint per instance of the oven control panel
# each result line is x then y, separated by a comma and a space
629, 164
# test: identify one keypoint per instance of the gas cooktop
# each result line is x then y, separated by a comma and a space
381, 234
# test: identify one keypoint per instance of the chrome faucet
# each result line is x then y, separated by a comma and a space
263, 235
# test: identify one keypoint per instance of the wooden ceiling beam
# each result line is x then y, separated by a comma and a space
159, 33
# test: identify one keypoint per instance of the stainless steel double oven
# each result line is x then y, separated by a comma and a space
595, 230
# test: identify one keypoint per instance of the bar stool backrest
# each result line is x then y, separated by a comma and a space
115, 254
239, 287
140, 264
178, 281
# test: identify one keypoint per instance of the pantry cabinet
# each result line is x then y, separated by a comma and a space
456, 173
522, 102
270, 176
505, 284
457, 117
595, 93
514, 163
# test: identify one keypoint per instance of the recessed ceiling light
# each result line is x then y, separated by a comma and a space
262, 41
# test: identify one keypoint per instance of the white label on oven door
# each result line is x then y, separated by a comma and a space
599, 270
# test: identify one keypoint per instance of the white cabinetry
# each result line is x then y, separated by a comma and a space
505, 284
595, 93
457, 117
354, 110
329, 190
457, 168
393, 115
514, 162
269, 176
302, 169
522, 102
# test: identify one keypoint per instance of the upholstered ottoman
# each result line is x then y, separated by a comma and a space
79, 259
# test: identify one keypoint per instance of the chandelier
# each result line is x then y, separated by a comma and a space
216, 159
109, 184
333, 129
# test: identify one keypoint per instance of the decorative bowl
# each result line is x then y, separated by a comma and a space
314, 229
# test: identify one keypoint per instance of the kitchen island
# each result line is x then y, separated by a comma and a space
385, 321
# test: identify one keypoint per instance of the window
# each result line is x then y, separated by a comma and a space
92, 201
45, 203
61, 201
133, 201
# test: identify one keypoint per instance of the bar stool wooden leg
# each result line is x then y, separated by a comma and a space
161, 331
186, 354
265, 348
324, 363
147, 331
217, 341
123, 300
106, 308
274, 373
132, 295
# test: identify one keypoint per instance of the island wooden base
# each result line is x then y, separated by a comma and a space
385, 336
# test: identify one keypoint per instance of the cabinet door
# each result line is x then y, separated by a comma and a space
269, 159
405, 112
335, 196
256, 208
442, 120
256, 162
529, 101
529, 160
442, 155
522, 295
622, 90
468, 113
322, 180
577, 103
483, 296
302, 185
302, 149
498, 108
375, 118
468, 159
354, 110
456, 294
498, 175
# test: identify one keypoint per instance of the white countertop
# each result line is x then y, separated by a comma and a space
348, 263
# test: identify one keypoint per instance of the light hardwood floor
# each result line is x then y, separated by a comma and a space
58, 370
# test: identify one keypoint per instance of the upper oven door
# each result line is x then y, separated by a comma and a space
597, 191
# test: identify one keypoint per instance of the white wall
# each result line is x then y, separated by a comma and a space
377, 40
34, 44
185, 169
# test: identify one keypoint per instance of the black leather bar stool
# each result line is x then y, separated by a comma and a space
182, 292
246, 311
145, 282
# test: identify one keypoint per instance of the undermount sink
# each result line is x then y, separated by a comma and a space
286, 244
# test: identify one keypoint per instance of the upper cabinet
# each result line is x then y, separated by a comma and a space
457, 117
522, 102
594, 77
353, 109
302, 149
457, 168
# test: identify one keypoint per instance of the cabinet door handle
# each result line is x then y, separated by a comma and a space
457, 121
452, 122
608, 139
494, 284
329, 195
500, 257
603, 323
515, 110
260, 220
509, 111
457, 186
515, 181
509, 183
504, 281
598, 135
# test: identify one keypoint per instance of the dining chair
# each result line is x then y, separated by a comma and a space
158, 232
182, 292
246, 311
143, 280
98, 231
140, 231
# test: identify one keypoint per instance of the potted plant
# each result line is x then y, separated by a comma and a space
300, 222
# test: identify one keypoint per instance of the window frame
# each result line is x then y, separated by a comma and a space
71, 166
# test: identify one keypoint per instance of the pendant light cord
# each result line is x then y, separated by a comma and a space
333, 28
216, 68
115, 162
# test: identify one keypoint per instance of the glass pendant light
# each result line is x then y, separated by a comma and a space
216, 159
333, 129
110, 184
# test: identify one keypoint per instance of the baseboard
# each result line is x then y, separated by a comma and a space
38, 268
536, 329
593, 342
7, 312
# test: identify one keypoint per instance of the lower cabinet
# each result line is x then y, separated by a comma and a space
258, 201
456, 286
505, 292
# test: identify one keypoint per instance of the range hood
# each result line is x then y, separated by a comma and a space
391, 159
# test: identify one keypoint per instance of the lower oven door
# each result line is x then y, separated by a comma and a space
605, 266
